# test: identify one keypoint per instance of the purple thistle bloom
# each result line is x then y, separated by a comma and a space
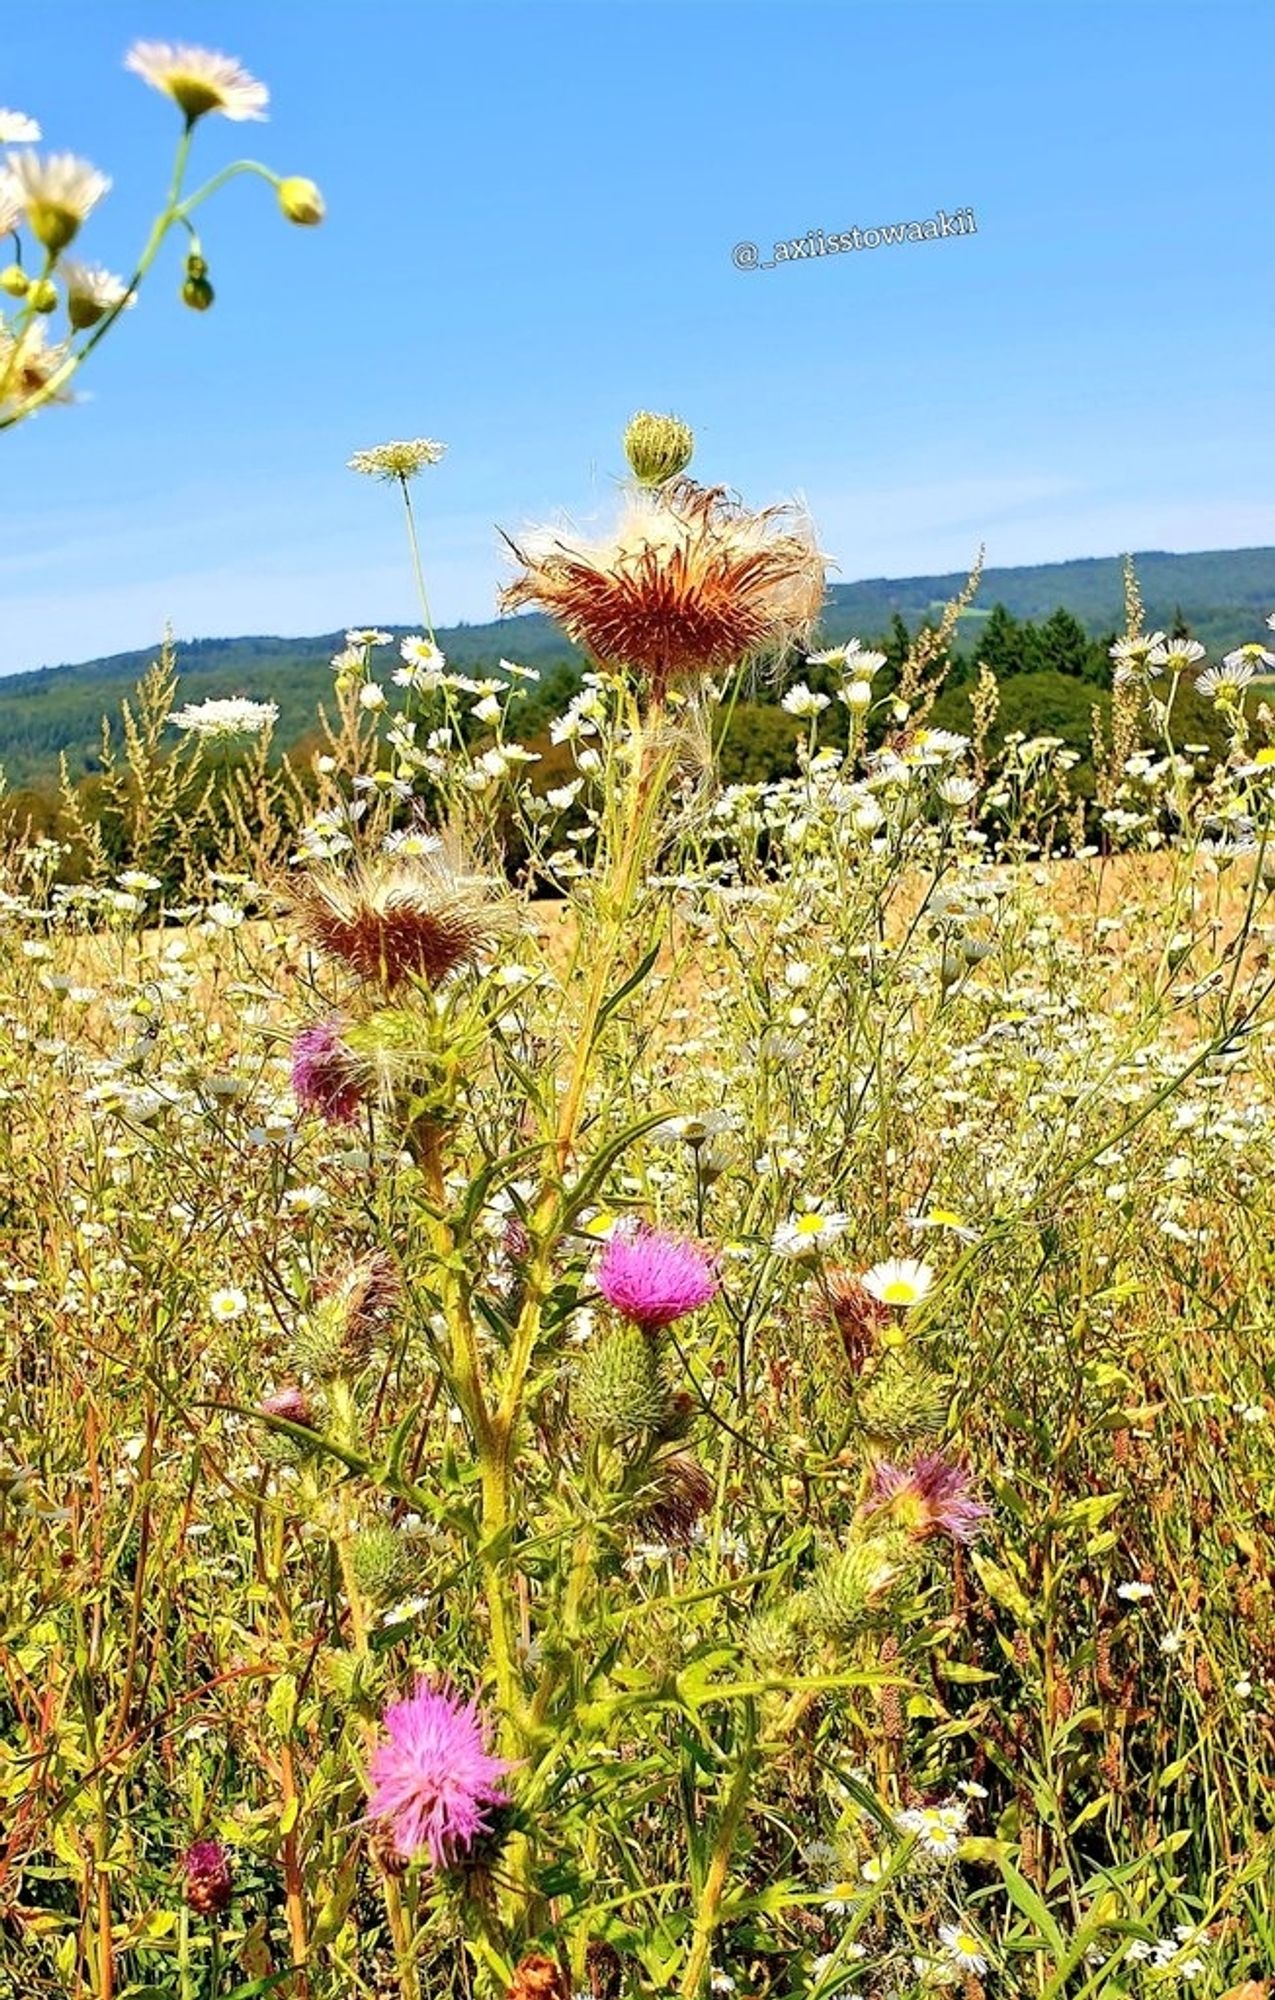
433, 1779
325, 1076
929, 1497
654, 1279
209, 1884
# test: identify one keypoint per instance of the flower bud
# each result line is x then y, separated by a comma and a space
42, 295
301, 201
198, 294
620, 1388
658, 448
14, 280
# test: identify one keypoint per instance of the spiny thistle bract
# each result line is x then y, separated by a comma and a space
620, 1389
353, 1312
393, 920
846, 1590
903, 1400
691, 584
773, 1639
381, 1558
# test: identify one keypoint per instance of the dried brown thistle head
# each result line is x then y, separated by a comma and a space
692, 583
392, 920
859, 1318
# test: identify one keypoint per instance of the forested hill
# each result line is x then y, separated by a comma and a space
1223, 595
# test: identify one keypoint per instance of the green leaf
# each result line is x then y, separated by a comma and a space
1025, 1898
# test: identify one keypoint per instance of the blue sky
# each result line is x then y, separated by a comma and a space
531, 214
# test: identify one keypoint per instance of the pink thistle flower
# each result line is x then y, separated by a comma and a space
433, 1779
929, 1497
655, 1279
209, 1884
325, 1076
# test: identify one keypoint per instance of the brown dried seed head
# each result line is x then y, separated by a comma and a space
539, 1978
681, 1491
858, 1317
390, 921
691, 584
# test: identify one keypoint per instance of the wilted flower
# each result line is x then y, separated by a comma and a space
209, 1884
433, 1779
400, 917
325, 1074
199, 80
929, 1497
233, 716
859, 1318
899, 1281
680, 1492
57, 194
653, 1278
690, 583
91, 293
400, 460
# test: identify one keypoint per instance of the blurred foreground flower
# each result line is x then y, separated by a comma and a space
57, 194
690, 584
432, 1780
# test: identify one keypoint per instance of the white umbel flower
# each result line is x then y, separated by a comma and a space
235, 716
400, 459
199, 80
899, 1281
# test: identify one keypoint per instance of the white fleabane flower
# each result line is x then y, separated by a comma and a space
16, 129
199, 80
963, 1947
1178, 655
804, 1235
899, 1281
938, 1828
57, 194
1134, 1593
227, 1302
802, 700
233, 716
1226, 681
91, 293
1253, 656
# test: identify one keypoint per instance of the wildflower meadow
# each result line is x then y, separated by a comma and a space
626, 1384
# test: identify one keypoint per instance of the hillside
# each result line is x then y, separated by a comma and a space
1223, 594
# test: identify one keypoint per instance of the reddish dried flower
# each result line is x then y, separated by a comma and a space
859, 1318
394, 919
325, 1073
209, 1884
690, 584
653, 1278
680, 1492
929, 1497
538, 1978
368, 1294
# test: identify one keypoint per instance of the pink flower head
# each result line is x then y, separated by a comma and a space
209, 1885
433, 1780
324, 1074
655, 1279
929, 1497
291, 1403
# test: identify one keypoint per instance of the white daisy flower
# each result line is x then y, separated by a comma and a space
806, 1234
1134, 1593
199, 80
1231, 678
802, 700
963, 1947
227, 1303
57, 194
899, 1281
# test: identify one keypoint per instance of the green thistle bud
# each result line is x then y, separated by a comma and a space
773, 1641
301, 201
14, 281
657, 448
845, 1591
42, 296
381, 1559
619, 1389
904, 1401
